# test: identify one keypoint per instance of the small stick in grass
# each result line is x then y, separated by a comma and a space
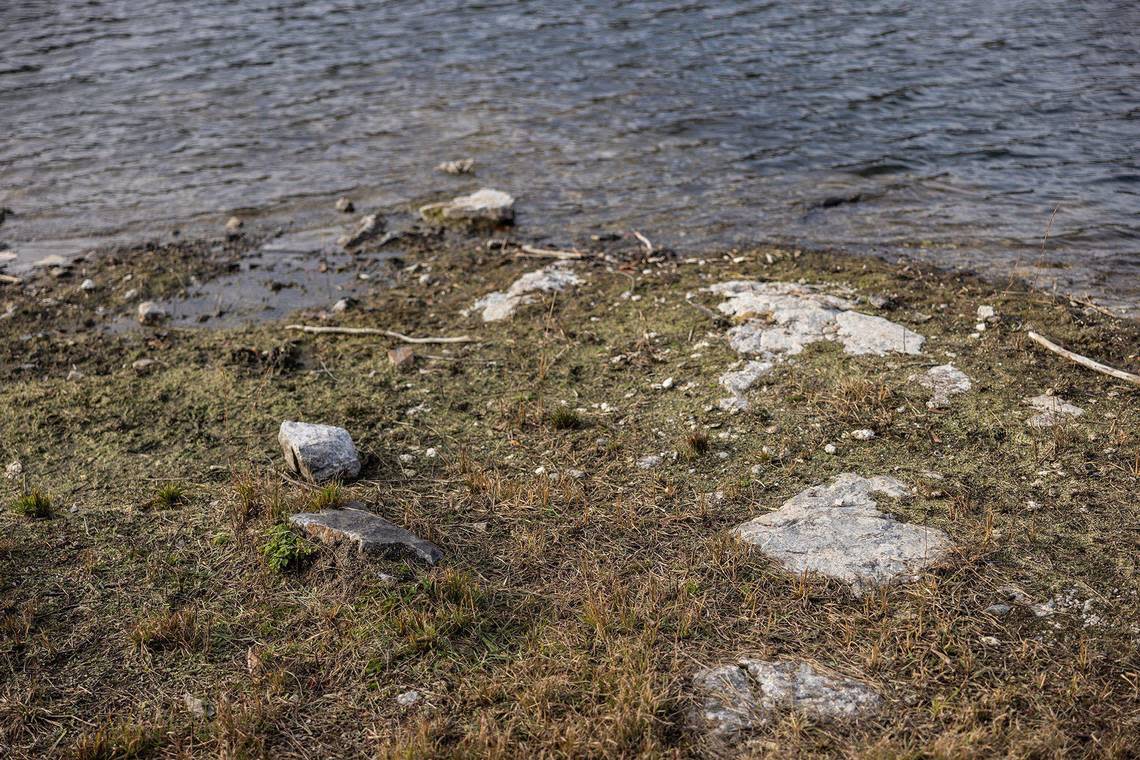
644, 241
1084, 361
322, 330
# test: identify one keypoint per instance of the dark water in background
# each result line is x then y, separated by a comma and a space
948, 129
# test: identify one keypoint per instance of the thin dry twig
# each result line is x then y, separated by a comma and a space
644, 241
322, 330
10, 279
1084, 361
529, 251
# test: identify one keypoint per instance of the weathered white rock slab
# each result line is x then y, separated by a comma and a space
1052, 411
484, 205
944, 381
151, 313
368, 532
319, 452
838, 530
781, 318
500, 305
737, 382
752, 693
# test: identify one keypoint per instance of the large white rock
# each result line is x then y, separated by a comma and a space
752, 693
484, 205
781, 318
319, 452
1052, 410
944, 381
838, 530
500, 305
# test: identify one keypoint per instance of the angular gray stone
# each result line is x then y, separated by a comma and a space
368, 532
484, 205
837, 530
319, 452
368, 228
500, 305
1052, 410
752, 693
944, 381
151, 313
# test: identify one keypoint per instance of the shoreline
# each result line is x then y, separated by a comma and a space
587, 484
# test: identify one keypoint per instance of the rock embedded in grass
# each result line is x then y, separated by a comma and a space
151, 313
552, 279
367, 532
944, 381
838, 530
319, 452
737, 382
484, 205
1052, 411
752, 693
782, 318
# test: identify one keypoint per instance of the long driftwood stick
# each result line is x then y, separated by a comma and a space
1084, 361
548, 253
319, 329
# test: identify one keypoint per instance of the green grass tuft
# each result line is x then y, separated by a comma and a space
565, 418
285, 551
328, 497
35, 503
169, 496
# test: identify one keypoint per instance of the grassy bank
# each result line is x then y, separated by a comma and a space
142, 619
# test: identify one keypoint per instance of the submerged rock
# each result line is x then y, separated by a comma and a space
838, 530
1052, 411
368, 228
459, 166
945, 381
551, 279
752, 693
345, 205
484, 205
368, 532
319, 452
781, 318
151, 313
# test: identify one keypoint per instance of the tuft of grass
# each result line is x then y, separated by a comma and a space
118, 741
182, 629
696, 444
565, 418
328, 497
284, 550
34, 503
169, 496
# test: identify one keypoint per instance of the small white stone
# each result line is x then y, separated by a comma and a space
985, 312
340, 306
540, 470
407, 458
130, 295
990, 641
87, 285
431, 453
13, 470
576, 474
864, 434
830, 448
151, 313
649, 461
408, 698
980, 327
667, 383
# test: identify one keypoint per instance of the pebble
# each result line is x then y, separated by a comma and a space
13, 470
233, 225
151, 313
667, 383
998, 610
87, 285
344, 205
341, 306
865, 434
830, 448
649, 461
408, 698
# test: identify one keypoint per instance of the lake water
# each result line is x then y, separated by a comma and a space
948, 130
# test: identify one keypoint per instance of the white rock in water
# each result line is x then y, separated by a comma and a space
751, 694
151, 313
945, 381
484, 205
369, 227
838, 530
345, 205
369, 533
784, 317
459, 166
319, 452
1052, 410
234, 224
551, 279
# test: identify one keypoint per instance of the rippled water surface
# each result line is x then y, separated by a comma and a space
950, 129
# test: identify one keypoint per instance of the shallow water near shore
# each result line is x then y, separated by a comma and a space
947, 132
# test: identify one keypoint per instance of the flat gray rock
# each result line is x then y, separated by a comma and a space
502, 304
1051, 410
752, 693
781, 318
737, 382
838, 530
944, 381
368, 532
319, 452
484, 205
